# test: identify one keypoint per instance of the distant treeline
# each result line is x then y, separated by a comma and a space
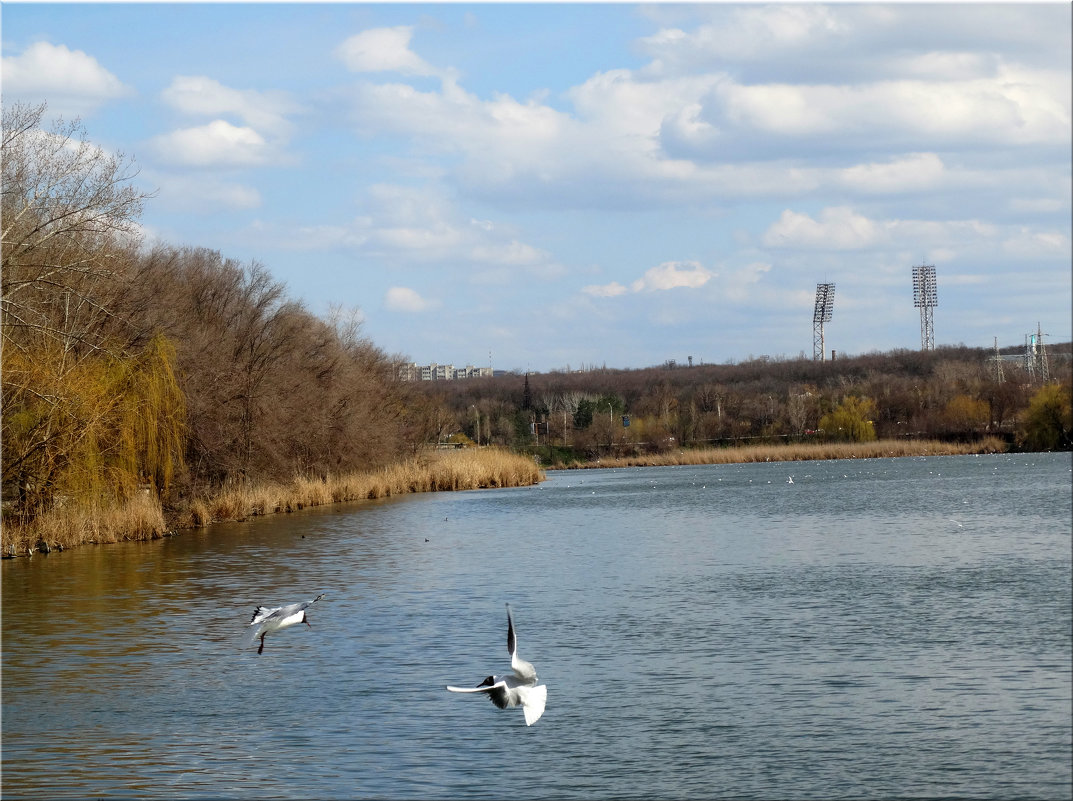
163, 371
950, 393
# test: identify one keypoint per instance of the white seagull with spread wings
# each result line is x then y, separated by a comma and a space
267, 620
518, 689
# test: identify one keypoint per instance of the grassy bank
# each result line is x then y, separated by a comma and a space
142, 518
798, 452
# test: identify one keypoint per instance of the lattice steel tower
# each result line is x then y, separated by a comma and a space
926, 298
1036, 356
996, 360
825, 306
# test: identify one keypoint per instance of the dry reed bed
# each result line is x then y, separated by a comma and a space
143, 519
803, 452
140, 518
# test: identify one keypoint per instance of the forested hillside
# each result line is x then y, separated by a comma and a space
955, 393
132, 371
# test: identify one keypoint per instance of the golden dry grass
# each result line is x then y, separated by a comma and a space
438, 471
804, 452
140, 518
143, 517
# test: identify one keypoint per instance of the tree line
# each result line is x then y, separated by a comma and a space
950, 393
172, 370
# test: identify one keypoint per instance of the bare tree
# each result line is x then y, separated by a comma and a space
70, 213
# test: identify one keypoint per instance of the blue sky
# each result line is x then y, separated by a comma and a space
552, 186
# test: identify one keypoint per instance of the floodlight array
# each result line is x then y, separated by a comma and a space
925, 291
825, 303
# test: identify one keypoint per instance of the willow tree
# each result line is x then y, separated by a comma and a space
92, 430
1047, 423
850, 421
85, 417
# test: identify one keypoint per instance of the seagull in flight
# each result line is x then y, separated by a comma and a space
267, 620
517, 689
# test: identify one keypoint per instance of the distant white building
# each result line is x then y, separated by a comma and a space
439, 372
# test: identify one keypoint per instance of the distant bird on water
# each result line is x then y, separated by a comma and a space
267, 620
518, 689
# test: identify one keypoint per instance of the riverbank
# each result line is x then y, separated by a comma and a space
143, 517
795, 452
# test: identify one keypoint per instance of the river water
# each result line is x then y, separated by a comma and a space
876, 629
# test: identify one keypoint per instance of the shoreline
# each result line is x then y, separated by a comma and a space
798, 452
143, 518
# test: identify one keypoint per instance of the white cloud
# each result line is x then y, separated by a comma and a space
915, 172
384, 50
902, 39
745, 34
1015, 106
264, 111
404, 299
839, 228
70, 81
672, 275
1025, 243
668, 275
637, 136
217, 144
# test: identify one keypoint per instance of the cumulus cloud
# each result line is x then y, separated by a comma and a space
384, 50
914, 172
70, 81
1028, 244
818, 40
404, 299
672, 275
263, 111
668, 275
838, 228
746, 34
217, 144
737, 121
630, 137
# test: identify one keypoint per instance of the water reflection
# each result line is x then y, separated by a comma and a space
878, 628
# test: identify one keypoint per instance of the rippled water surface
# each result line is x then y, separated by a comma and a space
878, 628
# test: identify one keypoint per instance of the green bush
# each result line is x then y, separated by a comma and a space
1047, 424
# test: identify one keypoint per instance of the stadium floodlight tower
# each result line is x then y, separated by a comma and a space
925, 298
825, 306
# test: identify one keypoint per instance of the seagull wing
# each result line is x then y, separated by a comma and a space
497, 692
262, 613
533, 700
522, 669
294, 609
512, 638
